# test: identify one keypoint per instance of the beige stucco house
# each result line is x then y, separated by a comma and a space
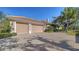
21, 25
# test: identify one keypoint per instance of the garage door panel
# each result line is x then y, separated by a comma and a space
21, 28
36, 29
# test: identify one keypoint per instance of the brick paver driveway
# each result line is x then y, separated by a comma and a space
44, 42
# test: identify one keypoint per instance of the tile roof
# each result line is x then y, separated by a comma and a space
23, 19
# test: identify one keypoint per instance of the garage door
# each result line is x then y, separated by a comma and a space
21, 28
37, 29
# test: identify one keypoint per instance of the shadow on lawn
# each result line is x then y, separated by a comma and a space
41, 47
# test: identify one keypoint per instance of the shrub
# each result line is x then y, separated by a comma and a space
77, 32
13, 34
6, 26
5, 35
48, 29
71, 32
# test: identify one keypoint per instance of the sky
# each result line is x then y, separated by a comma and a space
37, 13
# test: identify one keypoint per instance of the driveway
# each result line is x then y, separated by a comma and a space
57, 41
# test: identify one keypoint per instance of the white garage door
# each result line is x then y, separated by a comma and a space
37, 29
21, 28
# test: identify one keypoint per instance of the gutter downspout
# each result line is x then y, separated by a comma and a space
30, 28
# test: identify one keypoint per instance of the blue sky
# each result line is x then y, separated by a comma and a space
37, 13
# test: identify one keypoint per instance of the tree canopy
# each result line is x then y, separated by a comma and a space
4, 23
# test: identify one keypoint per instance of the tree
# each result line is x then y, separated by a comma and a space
4, 23
6, 26
67, 17
69, 13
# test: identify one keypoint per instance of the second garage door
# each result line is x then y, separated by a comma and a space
37, 28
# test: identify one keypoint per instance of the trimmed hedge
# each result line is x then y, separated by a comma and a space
5, 35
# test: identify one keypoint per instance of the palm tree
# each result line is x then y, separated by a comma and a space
68, 16
69, 13
76, 23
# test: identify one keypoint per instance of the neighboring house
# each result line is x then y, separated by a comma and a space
21, 24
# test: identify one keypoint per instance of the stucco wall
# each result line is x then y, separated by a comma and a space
13, 26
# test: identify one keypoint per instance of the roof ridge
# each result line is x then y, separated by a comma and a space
28, 18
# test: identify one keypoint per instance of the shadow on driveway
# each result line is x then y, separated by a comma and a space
63, 44
40, 47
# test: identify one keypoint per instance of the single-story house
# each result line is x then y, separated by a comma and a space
20, 24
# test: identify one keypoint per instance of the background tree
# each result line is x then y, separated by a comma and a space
67, 17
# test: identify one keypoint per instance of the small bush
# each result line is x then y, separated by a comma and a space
48, 30
77, 32
13, 34
5, 35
